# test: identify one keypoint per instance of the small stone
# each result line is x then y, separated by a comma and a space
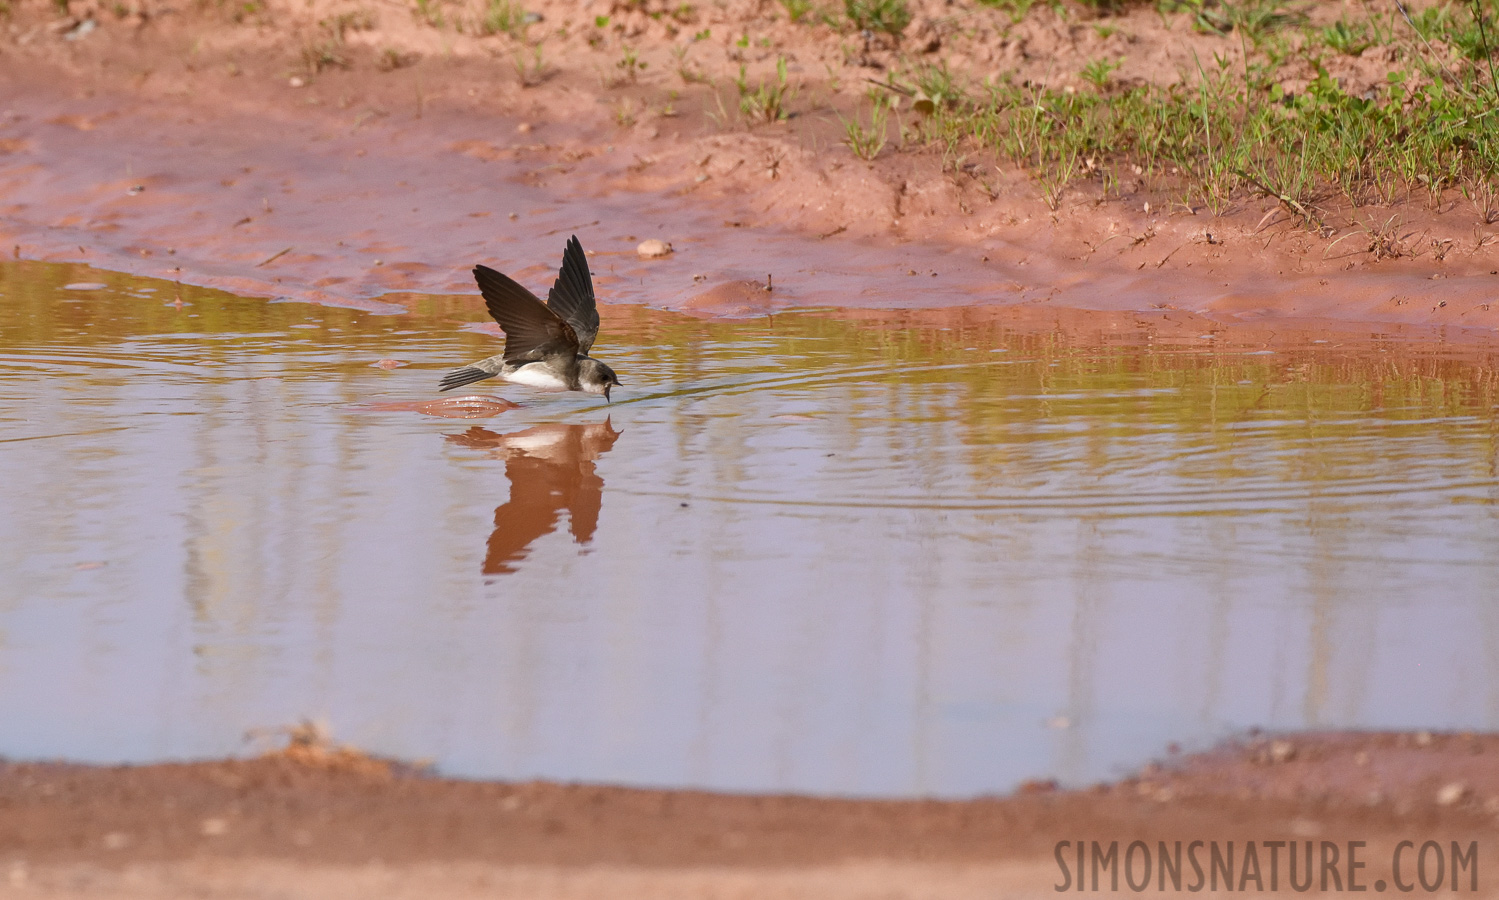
1282, 751
296, 81
1423, 739
214, 828
1361, 758
388, 364
116, 840
523, 128
653, 249
1452, 794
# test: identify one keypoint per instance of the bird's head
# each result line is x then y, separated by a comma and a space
597, 378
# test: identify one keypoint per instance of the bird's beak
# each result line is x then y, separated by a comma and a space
606, 394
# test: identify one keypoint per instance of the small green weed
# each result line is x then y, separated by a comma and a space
866, 141
1018, 9
503, 17
797, 9
1348, 38
326, 52
687, 73
427, 11
766, 101
624, 112
533, 71
889, 16
1097, 72
631, 64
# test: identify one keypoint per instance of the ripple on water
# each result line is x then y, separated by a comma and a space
799, 553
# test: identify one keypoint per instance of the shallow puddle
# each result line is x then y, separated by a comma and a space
804, 553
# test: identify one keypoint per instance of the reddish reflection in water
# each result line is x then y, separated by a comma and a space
474, 406
551, 469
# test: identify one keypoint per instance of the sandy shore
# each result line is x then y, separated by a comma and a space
319, 822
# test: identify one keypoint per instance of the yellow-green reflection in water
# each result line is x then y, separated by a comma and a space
802, 554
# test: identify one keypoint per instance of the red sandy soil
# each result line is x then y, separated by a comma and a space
170, 141
317, 821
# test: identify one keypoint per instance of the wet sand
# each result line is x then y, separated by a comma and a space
173, 144
314, 821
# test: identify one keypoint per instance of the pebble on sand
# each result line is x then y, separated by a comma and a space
653, 249
1452, 794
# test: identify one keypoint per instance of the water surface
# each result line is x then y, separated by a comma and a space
800, 553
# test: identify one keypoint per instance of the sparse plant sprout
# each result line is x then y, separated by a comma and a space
533, 71
1017, 9
246, 10
624, 112
503, 17
326, 52
687, 73
766, 101
834, 80
1349, 39
797, 9
889, 16
391, 59
428, 12
1384, 239
866, 141
630, 64
1097, 72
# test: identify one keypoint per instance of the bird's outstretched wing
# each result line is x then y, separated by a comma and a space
532, 331
571, 297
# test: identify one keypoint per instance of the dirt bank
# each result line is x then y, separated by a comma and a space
341, 152
324, 823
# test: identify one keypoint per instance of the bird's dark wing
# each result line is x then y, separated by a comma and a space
572, 296
532, 331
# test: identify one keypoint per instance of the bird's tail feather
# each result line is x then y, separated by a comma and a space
460, 377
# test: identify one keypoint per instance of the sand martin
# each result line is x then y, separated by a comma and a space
546, 344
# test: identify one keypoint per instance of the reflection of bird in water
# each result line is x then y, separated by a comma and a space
551, 469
